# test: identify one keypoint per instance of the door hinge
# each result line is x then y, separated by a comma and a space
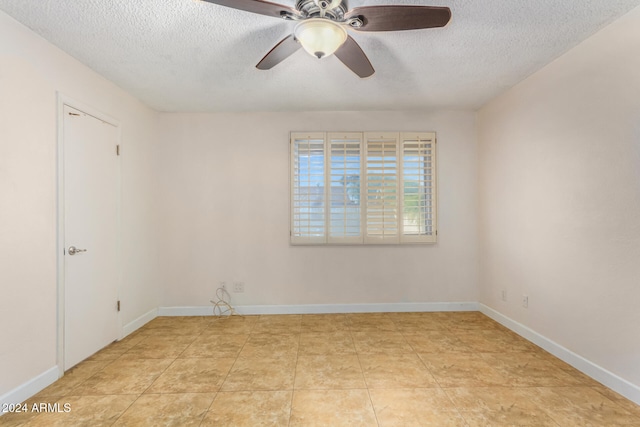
118, 305
118, 150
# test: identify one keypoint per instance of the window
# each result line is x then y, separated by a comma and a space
363, 188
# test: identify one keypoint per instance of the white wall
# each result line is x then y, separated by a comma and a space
224, 191
560, 200
31, 71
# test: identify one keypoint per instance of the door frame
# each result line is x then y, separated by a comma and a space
62, 101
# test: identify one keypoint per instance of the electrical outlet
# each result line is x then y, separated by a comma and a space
525, 301
504, 295
238, 287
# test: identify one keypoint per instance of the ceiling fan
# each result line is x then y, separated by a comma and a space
322, 27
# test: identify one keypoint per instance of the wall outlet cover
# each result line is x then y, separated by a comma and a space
238, 287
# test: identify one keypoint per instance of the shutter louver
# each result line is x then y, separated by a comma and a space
418, 187
381, 191
308, 207
344, 189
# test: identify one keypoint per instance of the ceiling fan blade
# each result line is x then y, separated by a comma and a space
395, 18
259, 6
279, 53
352, 55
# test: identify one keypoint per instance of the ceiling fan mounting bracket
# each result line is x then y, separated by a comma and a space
287, 16
356, 22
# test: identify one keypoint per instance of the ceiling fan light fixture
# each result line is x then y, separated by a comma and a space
320, 37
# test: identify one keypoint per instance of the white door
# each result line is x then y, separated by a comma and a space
91, 267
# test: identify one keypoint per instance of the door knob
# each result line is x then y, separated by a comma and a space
73, 250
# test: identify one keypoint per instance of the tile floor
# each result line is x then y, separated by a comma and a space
388, 369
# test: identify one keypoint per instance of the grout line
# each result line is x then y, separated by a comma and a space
364, 379
295, 370
232, 365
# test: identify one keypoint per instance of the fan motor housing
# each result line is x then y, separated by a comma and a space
314, 8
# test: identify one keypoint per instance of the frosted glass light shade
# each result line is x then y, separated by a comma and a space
320, 37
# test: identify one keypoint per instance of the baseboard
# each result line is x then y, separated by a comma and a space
30, 388
598, 373
186, 311
139, 322
324, 308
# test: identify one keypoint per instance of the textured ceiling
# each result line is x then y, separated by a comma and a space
193, 56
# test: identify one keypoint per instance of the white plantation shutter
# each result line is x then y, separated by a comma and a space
418, 222
308, 193
371, 188
344, 171
381, 193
